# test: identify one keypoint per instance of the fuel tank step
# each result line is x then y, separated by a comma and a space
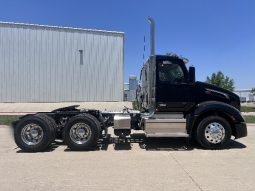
166, 127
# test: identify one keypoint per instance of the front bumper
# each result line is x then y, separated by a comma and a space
240, 130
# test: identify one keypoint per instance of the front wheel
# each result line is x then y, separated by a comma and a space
213, 132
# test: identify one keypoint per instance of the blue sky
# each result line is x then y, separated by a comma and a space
213, 34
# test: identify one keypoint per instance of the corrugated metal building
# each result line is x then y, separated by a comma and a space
245, 95
53, 64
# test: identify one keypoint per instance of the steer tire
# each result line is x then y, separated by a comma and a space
202, 138
46, 126
91, 123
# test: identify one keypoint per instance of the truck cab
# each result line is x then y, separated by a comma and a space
180, 106
175, 88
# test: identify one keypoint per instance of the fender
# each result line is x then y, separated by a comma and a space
214, 106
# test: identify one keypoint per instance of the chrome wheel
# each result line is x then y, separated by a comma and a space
80, 133
32, 134
214, 133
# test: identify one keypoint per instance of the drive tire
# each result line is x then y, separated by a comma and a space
47, 128
50, 121
205, 141
92, 126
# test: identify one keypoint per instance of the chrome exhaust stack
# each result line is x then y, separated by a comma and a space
151, 82
152, 36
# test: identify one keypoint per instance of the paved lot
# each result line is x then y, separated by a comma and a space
157, 164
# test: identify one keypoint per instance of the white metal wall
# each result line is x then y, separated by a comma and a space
44, 64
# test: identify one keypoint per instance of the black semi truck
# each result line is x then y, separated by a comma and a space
171, 104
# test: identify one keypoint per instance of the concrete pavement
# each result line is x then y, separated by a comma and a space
154, 164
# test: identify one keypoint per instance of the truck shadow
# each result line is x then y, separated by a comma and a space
156, 144
53, 146
140, 141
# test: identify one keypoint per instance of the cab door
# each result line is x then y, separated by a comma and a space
172, 87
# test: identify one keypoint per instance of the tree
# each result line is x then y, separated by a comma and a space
219, 79
253, 91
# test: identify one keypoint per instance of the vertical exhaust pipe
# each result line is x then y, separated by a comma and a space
152, 69
152, 35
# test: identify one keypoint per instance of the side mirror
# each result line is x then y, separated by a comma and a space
192, 75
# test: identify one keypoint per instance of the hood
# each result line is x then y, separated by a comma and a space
227, 95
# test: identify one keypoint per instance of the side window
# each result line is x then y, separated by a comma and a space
170, 72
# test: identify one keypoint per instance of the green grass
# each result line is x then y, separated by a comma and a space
250, 119
247, 109
7, 119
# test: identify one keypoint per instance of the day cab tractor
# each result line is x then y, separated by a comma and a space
171, 104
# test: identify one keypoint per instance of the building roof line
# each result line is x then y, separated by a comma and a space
59, 27
238, 90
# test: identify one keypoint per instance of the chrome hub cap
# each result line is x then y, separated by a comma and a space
32, 134
80, 133
214, 133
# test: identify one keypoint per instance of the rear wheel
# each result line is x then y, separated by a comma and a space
213, 132
50, 121
81, 132
34, 133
